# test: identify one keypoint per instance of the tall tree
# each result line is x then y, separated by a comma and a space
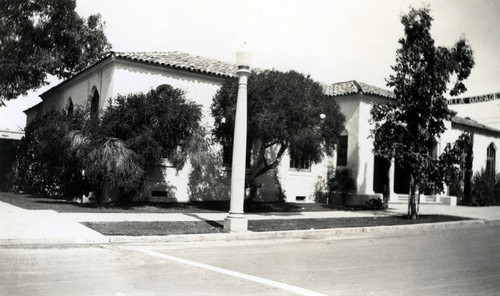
407, 128
42, 37
284, 113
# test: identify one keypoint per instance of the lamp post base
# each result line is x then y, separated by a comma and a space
236, 223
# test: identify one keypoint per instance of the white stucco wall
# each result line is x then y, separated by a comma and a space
349, 106
482, 139
133, 78
304, 182
481, 143
365, 153
80, 89
360, 158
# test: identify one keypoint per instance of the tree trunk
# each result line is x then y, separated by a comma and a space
98, 196
412, 200
386, 194
252, 194
468, 198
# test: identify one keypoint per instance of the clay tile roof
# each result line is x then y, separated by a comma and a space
472, 123
184, 61
355, 87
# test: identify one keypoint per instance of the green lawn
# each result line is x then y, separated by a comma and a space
199, 227
31, 202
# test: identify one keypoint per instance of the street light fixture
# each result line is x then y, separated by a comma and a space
236, 220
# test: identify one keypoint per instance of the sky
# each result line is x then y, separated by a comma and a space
332, 41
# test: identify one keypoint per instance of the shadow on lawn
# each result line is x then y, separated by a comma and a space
209, 222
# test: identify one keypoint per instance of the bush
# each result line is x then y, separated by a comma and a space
456, 189
376, 204
485, 189
45, 167
342, 182
321, 193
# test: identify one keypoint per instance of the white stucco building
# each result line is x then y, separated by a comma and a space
200, 78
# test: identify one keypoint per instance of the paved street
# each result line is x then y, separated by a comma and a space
446, 262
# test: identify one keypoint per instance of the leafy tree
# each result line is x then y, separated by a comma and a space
44, 166
41, 37
283, 114
156, 125
406, 129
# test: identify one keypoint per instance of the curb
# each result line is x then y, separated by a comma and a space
302, 234
249, 236
54, 241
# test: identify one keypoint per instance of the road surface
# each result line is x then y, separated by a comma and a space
449, 262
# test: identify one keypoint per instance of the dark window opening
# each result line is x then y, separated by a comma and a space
70, 107
342, 151
300, 164
159, 193
94, 105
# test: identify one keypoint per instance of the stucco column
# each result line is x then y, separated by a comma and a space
236, 221
392, 195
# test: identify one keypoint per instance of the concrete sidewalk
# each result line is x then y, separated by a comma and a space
40, 227
481, 213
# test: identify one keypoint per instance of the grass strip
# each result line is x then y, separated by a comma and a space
200, 227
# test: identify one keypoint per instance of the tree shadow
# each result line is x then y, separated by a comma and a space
212, 223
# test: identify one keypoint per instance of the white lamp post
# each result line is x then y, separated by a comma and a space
236, 221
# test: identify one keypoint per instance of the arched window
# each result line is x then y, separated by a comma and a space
163, 87
94, 103
70, 107
490, 160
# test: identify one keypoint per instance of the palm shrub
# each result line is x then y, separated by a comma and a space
106, 162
